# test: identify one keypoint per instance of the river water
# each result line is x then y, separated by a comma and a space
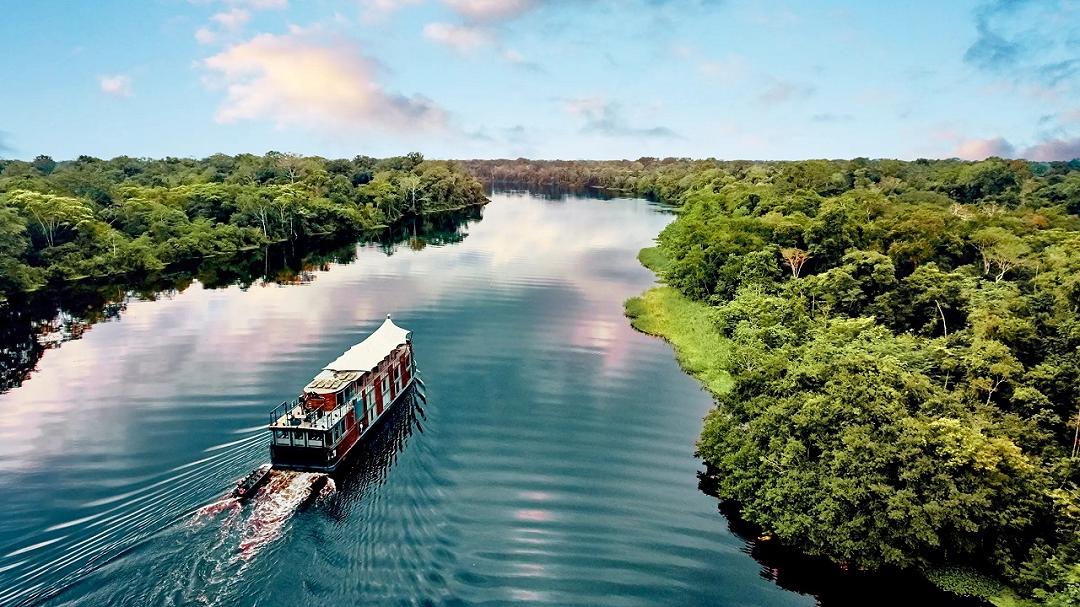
552, 462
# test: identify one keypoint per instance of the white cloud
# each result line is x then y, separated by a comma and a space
205, 35
520, 61
727, 69
297, 79
377, 9
116, 84
228, 25
461, 38
781, 91
600, 116
232, 19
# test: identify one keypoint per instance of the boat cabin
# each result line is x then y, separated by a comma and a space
342, 402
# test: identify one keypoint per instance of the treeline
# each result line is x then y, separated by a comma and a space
903, 341
659, 179
666, 179
47, 318
90, 217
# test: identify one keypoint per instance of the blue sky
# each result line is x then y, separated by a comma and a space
542, 78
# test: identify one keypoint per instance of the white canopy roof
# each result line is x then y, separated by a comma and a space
365, 355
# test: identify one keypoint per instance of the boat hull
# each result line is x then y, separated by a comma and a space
327, 460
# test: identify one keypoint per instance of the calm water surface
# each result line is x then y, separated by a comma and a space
552, 463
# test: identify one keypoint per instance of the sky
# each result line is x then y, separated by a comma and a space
572, 79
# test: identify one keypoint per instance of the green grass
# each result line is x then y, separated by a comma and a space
965, 581
687, 324
654, 259
1007, 598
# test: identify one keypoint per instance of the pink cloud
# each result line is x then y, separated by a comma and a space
118, 85
298, 79
1044, 151
490, 10
262, 5
1054, 149
980, 149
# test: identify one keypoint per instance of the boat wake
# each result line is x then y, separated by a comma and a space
240, 528
101, 530
259, 520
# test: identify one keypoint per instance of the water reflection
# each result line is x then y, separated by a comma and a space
41, 321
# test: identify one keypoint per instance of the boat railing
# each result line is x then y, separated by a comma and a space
282, 409
311, 418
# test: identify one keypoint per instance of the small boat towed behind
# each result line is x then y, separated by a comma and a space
316, 431
251, 483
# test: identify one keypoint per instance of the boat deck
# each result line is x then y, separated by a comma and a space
295, 415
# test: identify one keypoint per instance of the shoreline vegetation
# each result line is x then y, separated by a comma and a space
89, 218
687, 324
700, 349
46, 318
902, 345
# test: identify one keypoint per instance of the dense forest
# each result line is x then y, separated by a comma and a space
898, 343
91, 218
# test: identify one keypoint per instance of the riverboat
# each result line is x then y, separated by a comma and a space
343, 402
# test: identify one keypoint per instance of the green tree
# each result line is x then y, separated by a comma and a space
51, 212
44, 164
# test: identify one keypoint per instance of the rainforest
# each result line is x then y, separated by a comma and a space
93, 218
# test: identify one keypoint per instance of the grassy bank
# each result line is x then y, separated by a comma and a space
664, 312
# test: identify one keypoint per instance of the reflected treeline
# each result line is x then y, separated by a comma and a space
831, 584
430, 230
554, 192
45, 319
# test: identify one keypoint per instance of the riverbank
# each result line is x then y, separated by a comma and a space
700, 349
664, 312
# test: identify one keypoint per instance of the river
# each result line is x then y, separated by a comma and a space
552, 463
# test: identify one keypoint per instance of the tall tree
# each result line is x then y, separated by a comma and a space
50, 212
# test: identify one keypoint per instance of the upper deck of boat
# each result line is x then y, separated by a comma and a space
359, 360
297, 416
